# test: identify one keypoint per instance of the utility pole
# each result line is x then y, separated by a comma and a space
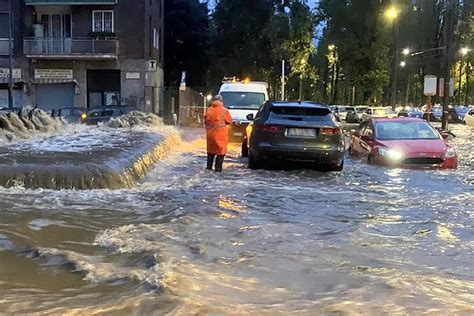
10, 52
460, 82
449, 38
468, 70
283, 80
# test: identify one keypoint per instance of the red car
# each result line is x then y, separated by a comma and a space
402, 142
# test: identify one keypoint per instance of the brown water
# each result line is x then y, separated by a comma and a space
185, 241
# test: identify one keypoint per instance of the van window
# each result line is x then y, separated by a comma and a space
243, 100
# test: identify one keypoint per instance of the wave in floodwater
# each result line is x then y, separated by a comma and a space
39, 124
113, 156
367, 241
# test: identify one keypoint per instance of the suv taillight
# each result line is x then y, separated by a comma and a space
269, 128
330, 131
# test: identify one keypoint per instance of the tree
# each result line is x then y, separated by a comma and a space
358, 33
186, 42
240, 47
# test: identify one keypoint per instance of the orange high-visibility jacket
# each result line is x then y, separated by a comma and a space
217, 118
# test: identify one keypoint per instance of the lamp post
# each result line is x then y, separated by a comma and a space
392, 15
10, 54
464, 51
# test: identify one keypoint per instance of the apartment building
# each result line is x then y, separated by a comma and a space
84, 53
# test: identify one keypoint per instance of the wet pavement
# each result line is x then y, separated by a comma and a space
369, 240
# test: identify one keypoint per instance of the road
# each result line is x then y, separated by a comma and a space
368, 240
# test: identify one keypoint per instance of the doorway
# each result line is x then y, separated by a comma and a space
103, 88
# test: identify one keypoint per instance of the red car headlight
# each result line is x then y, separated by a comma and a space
450, 153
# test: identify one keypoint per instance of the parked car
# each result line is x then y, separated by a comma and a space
72, 115
104, 114
436, 114
354, 114
410, 112
340, 111
402, 142
469, 117
378, 112
295, 131
335, 113
458, 113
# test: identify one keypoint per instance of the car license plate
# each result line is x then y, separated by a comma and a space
239, 134
301, 132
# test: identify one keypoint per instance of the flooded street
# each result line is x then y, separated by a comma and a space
369, 240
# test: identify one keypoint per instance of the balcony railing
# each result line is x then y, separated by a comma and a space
93, 48
69, 2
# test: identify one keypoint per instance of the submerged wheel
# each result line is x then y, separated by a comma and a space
245, 149
253, 163
337, 168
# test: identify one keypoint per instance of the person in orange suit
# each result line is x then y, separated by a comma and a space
217, 118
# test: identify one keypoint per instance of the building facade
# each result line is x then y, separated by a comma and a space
84, 53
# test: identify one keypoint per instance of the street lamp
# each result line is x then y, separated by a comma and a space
209, 97
403, 64
392, 13
406, 51
464, 51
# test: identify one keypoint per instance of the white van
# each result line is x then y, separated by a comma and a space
241, 99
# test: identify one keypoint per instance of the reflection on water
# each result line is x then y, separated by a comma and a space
369, 240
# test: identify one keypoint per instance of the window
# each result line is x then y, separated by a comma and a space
103, 21
4, 33
4, 28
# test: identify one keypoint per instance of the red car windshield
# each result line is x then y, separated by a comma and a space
404, 130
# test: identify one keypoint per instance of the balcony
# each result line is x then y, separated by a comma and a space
70, 48
70, 2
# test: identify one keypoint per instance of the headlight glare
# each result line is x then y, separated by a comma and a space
391, 154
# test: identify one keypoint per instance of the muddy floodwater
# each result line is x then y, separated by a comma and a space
183, 241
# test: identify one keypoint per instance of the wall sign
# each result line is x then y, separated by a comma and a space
54, 74
152, 65
132, 75
5, 73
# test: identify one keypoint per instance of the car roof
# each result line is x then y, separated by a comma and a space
398, 119
305, 104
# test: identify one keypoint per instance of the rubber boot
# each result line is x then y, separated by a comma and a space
210, 161
219, 163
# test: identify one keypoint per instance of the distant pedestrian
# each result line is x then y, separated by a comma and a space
217, 118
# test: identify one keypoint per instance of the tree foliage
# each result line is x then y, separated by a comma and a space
186, 42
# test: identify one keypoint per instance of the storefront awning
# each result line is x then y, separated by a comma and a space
69, 2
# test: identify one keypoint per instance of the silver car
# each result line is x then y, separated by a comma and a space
295, 131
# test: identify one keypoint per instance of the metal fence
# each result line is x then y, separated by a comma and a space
192, 108
70, 46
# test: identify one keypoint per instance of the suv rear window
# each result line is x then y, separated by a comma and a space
300, 111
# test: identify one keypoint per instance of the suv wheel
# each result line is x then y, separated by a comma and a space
245, 149
253, 163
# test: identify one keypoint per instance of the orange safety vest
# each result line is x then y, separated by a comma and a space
217, 118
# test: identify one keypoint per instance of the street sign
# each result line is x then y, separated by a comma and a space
5, 73
183, 81
152, 65
430, 85
441, 87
